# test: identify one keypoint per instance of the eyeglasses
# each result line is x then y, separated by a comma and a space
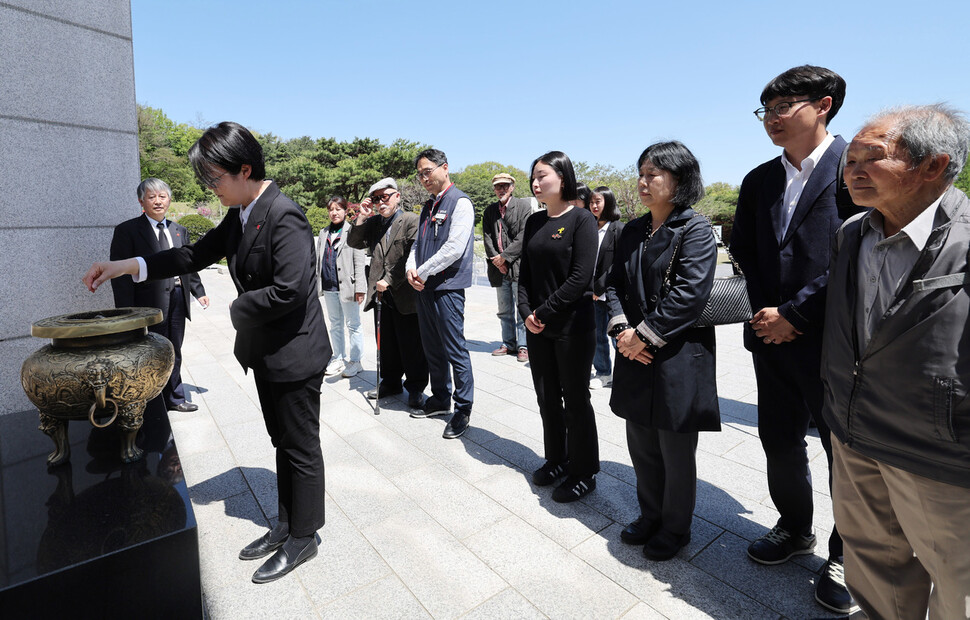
781, 109
382, 198
426, 174
214, 183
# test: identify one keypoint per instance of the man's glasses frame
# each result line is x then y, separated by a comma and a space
780, 110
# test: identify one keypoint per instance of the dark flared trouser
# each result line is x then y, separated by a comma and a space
789, 395
402, 355
441, 315
291, 411
666, 470
560, 372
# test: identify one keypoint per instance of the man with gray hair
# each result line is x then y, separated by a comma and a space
896, 367
143, 236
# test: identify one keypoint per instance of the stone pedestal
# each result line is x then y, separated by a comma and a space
96, 538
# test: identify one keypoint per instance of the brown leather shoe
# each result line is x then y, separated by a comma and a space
522, 355
502, 350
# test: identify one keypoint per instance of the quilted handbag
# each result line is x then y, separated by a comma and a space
728, 302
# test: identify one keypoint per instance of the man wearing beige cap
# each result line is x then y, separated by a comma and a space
389, 239
503, 224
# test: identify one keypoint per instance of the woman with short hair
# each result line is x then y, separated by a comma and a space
664, 381
558, 252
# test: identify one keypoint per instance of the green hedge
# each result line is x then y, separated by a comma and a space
197, 225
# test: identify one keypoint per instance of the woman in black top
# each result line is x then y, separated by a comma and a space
602, 204
664, 383
558, 252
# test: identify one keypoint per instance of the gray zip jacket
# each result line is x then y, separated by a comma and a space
902, 400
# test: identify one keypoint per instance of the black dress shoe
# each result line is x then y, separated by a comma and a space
385, 391
184, 407
457, 426
261, 547
639, 532
665, 545
416, 401
287, 558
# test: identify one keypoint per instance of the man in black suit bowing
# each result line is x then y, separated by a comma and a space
143, 236
280, 333
786, 219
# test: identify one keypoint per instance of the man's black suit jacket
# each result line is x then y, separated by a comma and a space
788, 269
280, 332
139, 237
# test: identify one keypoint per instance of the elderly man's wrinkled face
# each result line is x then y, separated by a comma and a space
386, 201
503, 191
156, 204
878, 171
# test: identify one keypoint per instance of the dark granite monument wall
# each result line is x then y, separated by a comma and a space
68, 162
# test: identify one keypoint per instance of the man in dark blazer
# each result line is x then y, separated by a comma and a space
389, 238
503, 226
280, 333
143, 236
783, 229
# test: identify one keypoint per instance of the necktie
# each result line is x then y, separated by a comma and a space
163, 243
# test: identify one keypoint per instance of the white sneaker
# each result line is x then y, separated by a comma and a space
334, 367
606, 381
352, 369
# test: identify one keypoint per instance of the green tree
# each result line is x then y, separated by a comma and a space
318, 218
162, 149
963, 180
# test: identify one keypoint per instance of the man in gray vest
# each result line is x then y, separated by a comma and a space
503, 226
441, 270
896, 367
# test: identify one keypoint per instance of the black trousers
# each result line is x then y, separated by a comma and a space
401, 352
173, 328
666, 470
789, 395
560, 372
291, 411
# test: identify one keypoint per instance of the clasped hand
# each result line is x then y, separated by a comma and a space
629, 345
772, 327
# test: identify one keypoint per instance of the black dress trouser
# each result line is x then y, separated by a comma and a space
560, 372
790, 394
291, 411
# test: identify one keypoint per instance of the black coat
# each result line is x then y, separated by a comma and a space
138, 237
280, 332
604, 260
678, 390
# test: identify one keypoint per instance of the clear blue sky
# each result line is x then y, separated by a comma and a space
507, 81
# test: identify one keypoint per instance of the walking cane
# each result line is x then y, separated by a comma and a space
377, 401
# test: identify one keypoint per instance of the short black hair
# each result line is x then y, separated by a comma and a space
559, 162
229, 146
677, 159
610, 211
808, 81
435, 156
583, 193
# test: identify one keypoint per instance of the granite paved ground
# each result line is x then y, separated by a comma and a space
418, 526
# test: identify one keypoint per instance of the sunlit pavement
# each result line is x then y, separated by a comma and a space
419, 526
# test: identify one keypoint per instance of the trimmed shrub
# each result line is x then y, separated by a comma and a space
197, 225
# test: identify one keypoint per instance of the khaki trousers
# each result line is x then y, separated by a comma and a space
903, 534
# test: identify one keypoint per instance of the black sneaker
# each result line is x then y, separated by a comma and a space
574, 488
778, 545
431, 408
830, 590
548, 473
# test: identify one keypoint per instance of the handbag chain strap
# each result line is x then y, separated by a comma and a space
673, 257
